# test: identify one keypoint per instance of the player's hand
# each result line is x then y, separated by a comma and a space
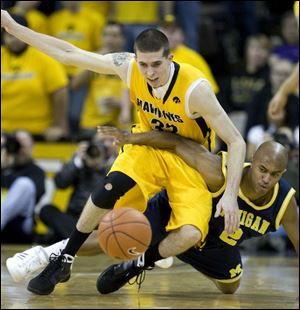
6, 20
231, 214
119, 136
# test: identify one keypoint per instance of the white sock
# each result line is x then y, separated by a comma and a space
55, 248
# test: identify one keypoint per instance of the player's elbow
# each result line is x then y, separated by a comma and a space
68, 56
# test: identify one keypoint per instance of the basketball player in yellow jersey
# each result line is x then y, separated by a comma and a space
279, 100
169, 97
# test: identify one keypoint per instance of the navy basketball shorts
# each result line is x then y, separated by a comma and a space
215, 259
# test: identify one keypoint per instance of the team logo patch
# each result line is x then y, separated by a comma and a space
133, 251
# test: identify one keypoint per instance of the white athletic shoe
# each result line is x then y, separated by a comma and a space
165, 263
24, 264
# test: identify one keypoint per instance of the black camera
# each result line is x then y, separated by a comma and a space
95, 150
12, 145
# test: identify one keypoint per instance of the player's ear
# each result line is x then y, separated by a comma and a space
170, 57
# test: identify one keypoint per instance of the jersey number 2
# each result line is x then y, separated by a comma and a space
231, 239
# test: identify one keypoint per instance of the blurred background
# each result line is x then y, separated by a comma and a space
49, 111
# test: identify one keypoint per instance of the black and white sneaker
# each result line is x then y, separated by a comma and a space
116, 276
57, 271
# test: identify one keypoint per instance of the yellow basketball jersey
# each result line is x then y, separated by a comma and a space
170, 113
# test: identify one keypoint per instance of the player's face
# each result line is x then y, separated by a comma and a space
265, 174
155, 67
112, 38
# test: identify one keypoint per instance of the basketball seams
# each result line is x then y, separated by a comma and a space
122, 232
118, 216
113, 230
123, 223
114, 238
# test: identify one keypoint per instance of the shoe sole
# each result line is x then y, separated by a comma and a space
12, 271
38, 292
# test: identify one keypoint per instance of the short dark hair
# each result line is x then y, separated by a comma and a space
152, 40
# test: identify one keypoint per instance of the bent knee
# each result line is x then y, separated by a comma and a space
191, 234
228, 288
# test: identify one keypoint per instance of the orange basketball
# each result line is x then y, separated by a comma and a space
124, 233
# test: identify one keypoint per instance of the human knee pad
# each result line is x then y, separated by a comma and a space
111, 188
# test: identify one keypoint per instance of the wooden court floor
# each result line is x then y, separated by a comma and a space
269, 282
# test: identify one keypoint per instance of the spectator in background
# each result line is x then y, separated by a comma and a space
183, 53
260, 127
22, 186
241, 17
291, 84
37, 21
81, 27
99, 7
34, 90
135, 16
187, 15
239, 89
107, 101
83, 172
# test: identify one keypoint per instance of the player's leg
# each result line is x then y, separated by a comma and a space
191, 205
132, 162
117, 275
24, 264
114, 186
220, 263
191, 210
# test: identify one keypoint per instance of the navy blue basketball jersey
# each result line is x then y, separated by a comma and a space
255, 220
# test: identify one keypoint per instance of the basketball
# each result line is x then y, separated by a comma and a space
124, 233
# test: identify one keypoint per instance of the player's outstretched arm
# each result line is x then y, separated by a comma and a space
193, 153
204, 102
67, 53
290, 222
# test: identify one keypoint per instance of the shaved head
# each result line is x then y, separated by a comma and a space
275, 152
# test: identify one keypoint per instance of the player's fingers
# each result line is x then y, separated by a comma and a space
218, 210
232, 223
226, 223
237, 220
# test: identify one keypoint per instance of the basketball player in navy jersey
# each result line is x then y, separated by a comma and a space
265, 201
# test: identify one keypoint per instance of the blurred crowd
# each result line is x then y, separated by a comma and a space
246, 49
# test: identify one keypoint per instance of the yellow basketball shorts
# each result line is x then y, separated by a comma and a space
154, 170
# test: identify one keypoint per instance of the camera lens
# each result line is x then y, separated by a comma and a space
93, 151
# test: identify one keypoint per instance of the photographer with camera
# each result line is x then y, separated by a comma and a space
22, 186
83, 172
